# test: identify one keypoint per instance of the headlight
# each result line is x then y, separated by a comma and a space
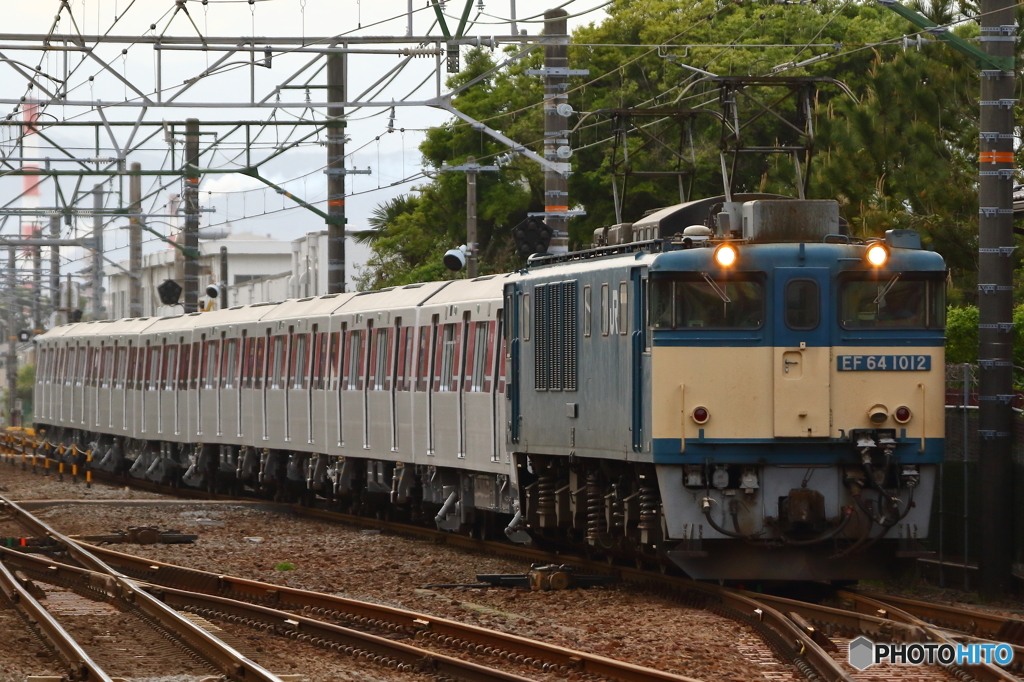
876, 255
726, 255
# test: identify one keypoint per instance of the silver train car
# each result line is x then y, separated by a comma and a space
749, 395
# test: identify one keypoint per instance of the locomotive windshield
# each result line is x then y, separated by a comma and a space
707, 303
897, 301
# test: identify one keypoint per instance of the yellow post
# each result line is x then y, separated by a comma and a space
60, 471
88, 469
46, 466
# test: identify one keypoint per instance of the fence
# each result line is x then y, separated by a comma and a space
956, 505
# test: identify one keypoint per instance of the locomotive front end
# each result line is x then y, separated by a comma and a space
797, 410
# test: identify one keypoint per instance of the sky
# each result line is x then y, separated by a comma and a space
391, 156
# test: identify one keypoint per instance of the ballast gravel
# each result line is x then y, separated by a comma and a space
619, 621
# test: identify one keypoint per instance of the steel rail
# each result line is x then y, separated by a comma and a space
968, 621
376, 615
986, 672
394, 654
226, 658
80, 664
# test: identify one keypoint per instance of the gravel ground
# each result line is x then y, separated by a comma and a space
22, 653
618, 621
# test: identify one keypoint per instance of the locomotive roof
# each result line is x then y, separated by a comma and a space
766, 257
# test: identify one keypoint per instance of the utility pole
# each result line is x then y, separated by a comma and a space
135, 243
995, 301
12, 339
223, 277
37, 282
556, 82
336, 77
55, 263
471, 168
191, 205
97, 253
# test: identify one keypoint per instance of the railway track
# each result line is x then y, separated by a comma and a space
366, 631
812, 637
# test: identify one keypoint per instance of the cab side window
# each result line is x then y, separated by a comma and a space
803, 304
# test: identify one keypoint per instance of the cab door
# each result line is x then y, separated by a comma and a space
802, 353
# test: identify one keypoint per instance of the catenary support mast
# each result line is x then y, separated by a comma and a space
135, 243
995, 301
191, 201
335, 175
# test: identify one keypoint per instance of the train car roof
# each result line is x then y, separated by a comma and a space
305, 307
487, 287
408, 296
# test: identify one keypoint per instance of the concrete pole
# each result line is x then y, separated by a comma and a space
223, 277
191, 205
135, 243
471, 238
556, 187
995, 304
37, 283
336, 73
97, 254
55, 262
12, 339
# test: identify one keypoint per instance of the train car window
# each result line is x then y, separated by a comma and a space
171, 365
446, 357
702, 304
260, 366
299, 365
803, 305
90, 370
494, 339
323, 341
527, 321
229, 370
605, 309
133, 353
245, 381
184, 364
423, 359
504, 357
335, 350
402, 354
121, 365
278, 358
588, 314
193, 376
106, 363
480, 351
152, 373
353, 355
623, 308
899, 301
212, 362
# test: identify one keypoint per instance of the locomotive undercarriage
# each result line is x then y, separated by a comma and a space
601, 507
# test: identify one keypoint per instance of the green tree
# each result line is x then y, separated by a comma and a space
899, 152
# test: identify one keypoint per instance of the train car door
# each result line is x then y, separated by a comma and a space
512, 316
802, 352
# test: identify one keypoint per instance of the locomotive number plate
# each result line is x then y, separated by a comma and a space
884, 363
